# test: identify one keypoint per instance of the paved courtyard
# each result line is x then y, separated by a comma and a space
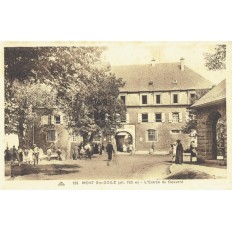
121, 167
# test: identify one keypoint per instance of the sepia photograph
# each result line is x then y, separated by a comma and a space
115, 114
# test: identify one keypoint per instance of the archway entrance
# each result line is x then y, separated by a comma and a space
215, 129
123, 139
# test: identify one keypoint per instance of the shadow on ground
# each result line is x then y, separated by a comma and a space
50, 169
192, 174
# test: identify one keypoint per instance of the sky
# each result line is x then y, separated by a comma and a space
141, 53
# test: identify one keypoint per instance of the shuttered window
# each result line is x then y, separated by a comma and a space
158, 117
57, 119
175, 98
175, 117
144, 117
158, 99
144, 99
123, 99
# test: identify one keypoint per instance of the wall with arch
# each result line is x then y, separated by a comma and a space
207, 118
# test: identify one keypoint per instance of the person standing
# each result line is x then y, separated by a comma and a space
15, 156
75, 152
110, 150
7, 154
59, 153
20, 152
173, 146
36, 154
131, 148
179, 152
25, 155
193, 152
49, 153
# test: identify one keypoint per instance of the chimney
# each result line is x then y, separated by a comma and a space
153, 62
182, 64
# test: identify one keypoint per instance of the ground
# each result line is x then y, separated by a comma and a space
123, 166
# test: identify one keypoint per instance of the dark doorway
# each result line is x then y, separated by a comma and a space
123, 139
216, 135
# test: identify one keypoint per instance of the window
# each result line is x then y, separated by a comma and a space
158, 99
175, 98
145, 117
74, 137
117, 118
192, 98
123, 119
123, 99
192, 95
175, 117
144, 99
175, 131
51, 136
152, 135
158, 117
57, 119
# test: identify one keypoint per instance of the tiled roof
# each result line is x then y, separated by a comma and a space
165, 76
217, 94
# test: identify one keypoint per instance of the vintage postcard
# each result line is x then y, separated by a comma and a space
116, 115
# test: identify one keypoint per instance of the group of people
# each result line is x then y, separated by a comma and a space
80, 151
87, 150
177, 151
51, 150
27, 155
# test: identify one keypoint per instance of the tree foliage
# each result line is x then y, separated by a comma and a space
217, 60
76, 81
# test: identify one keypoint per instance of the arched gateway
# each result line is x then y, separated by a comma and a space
215, 133
123, 139
211, 124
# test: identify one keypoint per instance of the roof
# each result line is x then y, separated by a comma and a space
214, 96
162, 76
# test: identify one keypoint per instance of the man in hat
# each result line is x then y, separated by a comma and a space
110, 150
179, 152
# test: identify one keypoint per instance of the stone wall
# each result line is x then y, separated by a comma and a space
204, 129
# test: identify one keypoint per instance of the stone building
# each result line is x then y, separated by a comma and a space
157, 97
211, 123
49, 130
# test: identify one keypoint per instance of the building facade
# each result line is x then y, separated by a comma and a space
157, 97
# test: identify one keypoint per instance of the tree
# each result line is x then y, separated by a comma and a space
84, 88
19, 115
217, 60
191, 123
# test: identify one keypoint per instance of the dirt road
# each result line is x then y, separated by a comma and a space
121, 167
